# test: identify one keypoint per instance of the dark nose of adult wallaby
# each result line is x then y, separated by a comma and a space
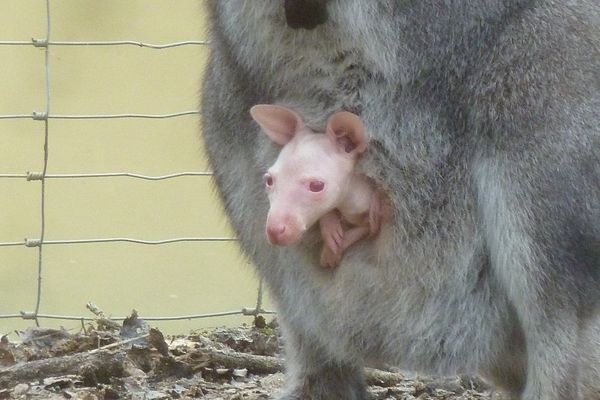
305, 14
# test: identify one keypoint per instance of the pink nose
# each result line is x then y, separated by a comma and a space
275, 234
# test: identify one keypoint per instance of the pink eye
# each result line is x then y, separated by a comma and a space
268, 180
316, 186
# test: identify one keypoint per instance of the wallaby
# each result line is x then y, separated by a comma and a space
484, 133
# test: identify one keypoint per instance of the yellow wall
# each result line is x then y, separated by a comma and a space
173, 279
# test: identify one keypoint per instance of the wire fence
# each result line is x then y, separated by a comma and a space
44, 116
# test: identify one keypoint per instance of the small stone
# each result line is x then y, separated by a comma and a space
240, 373
441, 393
20, 389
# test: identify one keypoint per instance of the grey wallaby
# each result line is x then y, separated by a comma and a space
483, 121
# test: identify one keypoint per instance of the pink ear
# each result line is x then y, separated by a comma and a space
279, 123
348, 132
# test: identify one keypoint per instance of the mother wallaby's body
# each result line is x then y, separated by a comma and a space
485, 131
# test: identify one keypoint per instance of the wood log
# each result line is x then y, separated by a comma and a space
263, 365
259, 365
97, 366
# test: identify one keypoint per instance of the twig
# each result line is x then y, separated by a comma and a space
117, 344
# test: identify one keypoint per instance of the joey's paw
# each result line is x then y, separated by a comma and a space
332, 231
329, 259
333, 235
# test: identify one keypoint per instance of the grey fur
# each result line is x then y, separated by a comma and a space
484, 122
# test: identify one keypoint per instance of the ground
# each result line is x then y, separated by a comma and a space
134, 361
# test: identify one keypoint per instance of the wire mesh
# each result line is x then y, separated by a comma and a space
46, 117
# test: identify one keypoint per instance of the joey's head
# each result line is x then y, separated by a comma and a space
313, 171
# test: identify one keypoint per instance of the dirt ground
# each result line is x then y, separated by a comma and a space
134, 361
